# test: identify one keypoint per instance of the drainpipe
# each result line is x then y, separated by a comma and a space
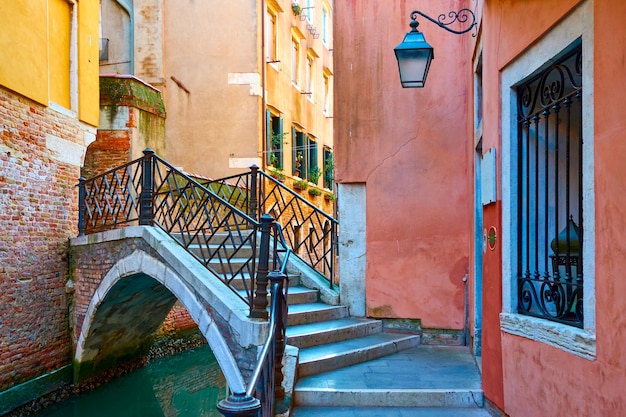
263, 99
129, 9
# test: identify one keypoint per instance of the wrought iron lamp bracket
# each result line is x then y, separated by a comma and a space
462, 16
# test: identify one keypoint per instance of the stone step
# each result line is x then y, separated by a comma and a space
297, 295
360, 397
312, 334
225, 264
322, 358
229, 239
314, 312
217, 251
389, 411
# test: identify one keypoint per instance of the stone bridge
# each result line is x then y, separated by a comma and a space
125, 282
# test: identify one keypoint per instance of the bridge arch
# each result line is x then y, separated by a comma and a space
137, 292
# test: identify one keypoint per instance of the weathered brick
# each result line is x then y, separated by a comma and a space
38, 213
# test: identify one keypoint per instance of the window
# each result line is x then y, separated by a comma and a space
549, 189
329, 168
309, 8
548, 281
62, 22
275, 140
326, 108
309, 77
325, 24
295, 64
270, 36
299, 153
314, 170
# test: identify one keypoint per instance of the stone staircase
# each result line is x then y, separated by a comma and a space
352, 362
345, 361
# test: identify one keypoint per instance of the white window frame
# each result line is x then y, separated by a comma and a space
271, 36
325, 23
310, 62
295, 62
581, 342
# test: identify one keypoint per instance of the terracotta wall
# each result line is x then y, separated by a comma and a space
409, 148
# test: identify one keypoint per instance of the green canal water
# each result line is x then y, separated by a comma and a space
187, 384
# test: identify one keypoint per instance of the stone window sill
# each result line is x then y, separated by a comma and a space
567, 338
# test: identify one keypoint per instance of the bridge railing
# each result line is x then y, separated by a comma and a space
150, 191
309, 232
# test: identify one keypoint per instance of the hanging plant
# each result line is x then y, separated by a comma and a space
297, 9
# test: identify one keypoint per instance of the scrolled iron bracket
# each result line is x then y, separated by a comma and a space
462, 16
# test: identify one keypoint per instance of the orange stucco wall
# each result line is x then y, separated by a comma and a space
525, 377
409, 148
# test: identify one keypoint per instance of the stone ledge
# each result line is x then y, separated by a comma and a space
567, 338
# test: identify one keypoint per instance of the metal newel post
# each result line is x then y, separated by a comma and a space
259, 304
240, 404
145, 199
279, 307
254, 201
82, 193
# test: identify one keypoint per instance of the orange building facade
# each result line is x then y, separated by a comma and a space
488, 205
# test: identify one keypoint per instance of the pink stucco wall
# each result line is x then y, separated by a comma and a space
409, 148
413, 149
527, 378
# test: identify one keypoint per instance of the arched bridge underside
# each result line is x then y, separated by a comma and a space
125, 283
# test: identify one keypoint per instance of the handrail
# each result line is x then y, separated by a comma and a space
150, 191
310, 233
266, 382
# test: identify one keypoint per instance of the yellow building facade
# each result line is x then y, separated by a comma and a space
49, 53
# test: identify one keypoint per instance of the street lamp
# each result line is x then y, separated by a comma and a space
414, 54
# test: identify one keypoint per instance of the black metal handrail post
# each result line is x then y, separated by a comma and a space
254, 194
146, 217
240, 404
279, 313
259, 304
82, 193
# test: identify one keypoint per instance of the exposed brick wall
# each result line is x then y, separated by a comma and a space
110, 150
177, 321
38, 213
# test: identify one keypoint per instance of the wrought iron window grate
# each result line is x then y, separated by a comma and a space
550, 192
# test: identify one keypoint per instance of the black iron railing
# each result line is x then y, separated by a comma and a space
218, 226
308, 231
265, 386
150, 191
550, 192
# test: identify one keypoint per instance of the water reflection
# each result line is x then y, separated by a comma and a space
184, 385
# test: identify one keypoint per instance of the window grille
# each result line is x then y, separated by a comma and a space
550, 184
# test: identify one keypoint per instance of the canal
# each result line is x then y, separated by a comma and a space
187, 384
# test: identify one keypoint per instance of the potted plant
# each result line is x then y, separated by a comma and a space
278, 174
328, 196
314, 175
300, 184
296, 8
314, 192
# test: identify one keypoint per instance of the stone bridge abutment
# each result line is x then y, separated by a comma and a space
125, 282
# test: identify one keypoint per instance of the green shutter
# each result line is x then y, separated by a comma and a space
281, 147
294, 152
